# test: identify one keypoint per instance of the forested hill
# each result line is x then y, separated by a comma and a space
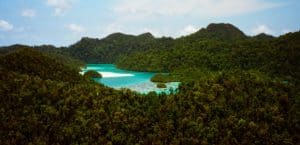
114, 46
109, 49
26, 60
222, 32
214, 48
273, 56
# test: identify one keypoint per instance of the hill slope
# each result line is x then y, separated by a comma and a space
114, 46
221, 32
275, 56
46, 66
109, 49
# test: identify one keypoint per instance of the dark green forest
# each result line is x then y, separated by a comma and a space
235, 90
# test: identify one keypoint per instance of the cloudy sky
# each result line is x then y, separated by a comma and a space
63, 22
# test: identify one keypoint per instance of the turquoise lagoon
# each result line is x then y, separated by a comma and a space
136, 81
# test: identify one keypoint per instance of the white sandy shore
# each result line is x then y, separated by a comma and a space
115, 75
112, 74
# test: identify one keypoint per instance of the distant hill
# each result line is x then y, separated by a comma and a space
108, 49
7, 49
222, 32
263, 36
216, 40
216, 47
116, 45
276, 56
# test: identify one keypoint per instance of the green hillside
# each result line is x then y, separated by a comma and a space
109, 49
273, 56
44, 65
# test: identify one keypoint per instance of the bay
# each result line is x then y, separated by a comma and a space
136, 81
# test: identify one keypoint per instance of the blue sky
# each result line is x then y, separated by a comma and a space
63, 22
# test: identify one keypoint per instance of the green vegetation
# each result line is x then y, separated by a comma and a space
44, 65
92, 74
161, 85
164, 78
107, 50
234, 90
276, 57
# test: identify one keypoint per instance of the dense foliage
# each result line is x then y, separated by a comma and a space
161, 85
92, 74
234, 91
274, 56
233, 108
32, 62
163, 78
112, 47
59, 54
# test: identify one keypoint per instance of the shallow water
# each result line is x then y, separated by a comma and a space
136, 81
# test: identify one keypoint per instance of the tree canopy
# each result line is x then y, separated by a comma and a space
92, 74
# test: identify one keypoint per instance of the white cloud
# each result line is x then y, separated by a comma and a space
60, 6
188, 30
284, 31
28, 13
133, 30
5, 26
205, 8
75, 28
112, 28
262, 29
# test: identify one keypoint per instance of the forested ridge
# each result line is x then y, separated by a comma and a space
216, 50
109, 49
235, 90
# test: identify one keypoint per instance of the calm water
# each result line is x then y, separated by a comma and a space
137, 81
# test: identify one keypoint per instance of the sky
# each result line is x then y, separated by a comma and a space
64, 22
